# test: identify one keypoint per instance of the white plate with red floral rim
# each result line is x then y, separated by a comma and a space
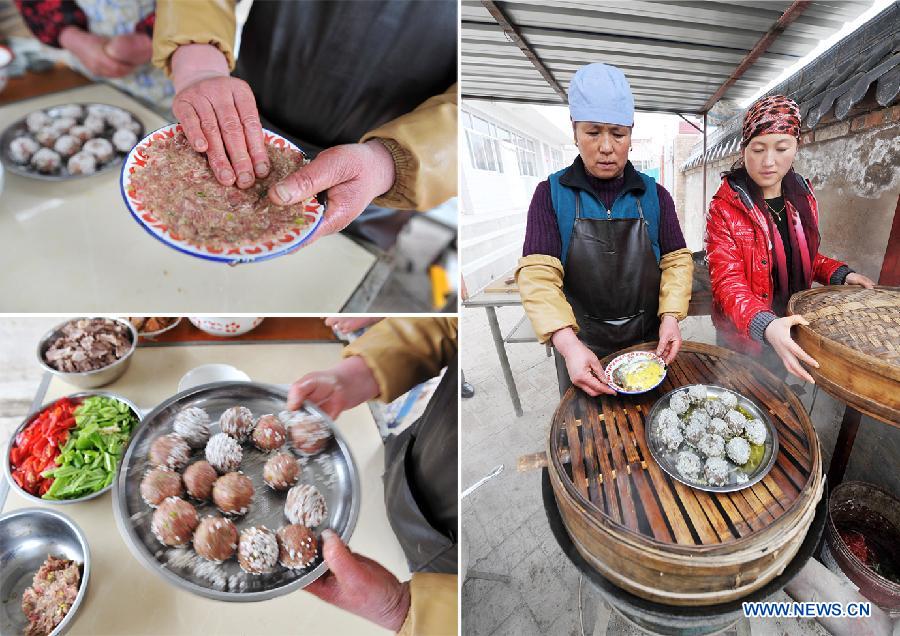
636, 372
292, 239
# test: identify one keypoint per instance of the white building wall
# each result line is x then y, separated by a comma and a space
494, 205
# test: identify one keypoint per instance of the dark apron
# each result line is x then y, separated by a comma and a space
325, 73
421, 490
612, 283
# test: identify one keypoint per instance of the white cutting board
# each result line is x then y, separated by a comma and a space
74, 247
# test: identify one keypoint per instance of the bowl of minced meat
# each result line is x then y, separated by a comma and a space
173, 194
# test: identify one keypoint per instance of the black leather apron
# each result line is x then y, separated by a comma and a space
421, 489
325, 73
612, 283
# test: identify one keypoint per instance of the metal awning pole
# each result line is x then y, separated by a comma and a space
704, 164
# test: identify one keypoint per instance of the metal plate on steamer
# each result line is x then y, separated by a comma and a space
332, 471
667, 459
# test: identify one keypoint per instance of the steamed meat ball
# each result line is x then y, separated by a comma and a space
192, 423
101, 149
62, 125
94, 123
215, 539
47, 136
174, 522
37, 120
297, 546
755, 431
738, 450
199, 479
67, 145
169, 451
716, 471
159, 484
281, 471
680, 402
118, 118
46, 161
306, 505
237, 422
124, 140
258, 550
309, 433
82, 163
232, 493
82, 133
22, 148
223, 452
269, 433
75, 111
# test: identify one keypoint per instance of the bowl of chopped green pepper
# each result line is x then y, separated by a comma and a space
70, 449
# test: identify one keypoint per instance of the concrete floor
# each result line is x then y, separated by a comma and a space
504, 521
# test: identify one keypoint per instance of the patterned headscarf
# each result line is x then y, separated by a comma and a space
775, 114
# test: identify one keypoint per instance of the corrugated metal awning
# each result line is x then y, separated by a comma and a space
859, 74
676, 55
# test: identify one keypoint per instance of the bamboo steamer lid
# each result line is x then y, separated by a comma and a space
854, 335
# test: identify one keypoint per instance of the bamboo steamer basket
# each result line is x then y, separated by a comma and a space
660, 539
854, 335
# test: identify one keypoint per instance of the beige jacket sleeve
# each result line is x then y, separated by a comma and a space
423, 144
540, 281
432, 607
402, 352
676, 282
193, 22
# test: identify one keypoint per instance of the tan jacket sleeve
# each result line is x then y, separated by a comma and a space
540, 281
432, 607
423, 144
193, 22
676, 282
402, 352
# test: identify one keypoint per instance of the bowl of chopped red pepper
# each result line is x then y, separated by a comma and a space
69, 450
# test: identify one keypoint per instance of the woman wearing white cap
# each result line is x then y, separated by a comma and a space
604, 265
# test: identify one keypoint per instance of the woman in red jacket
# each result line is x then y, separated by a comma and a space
763, 241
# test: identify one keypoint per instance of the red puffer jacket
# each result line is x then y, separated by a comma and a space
739, 251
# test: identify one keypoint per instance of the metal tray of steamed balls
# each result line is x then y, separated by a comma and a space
333, 472
667, 459
19, 127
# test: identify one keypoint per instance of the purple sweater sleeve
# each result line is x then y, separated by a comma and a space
670, 236
541, 229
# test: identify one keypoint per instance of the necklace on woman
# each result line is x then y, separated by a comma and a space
776, 213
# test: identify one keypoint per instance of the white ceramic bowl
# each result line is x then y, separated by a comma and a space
225, 326
208, 373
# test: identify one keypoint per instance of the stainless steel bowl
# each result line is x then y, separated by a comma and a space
27, 537
88, 379
333, 472
7, 470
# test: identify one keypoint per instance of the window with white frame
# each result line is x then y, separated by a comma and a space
526, 153
556, 156
483, 139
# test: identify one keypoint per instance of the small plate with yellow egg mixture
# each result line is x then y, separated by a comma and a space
636, 372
